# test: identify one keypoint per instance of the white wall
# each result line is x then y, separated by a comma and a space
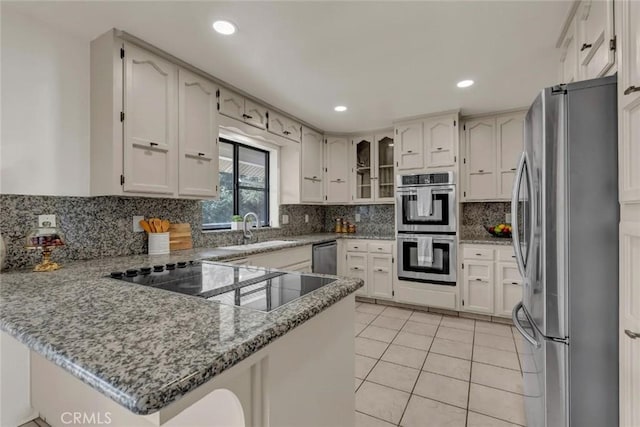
44, 146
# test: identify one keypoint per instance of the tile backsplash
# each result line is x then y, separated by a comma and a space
96, 227
374, 219
475, 215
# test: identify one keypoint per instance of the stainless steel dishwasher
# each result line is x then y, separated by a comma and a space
325, 258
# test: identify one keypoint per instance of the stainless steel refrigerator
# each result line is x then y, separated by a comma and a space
565, 233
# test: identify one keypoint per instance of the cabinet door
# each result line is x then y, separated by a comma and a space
478, 286
508, 288
440, 141
255, 114
510, 143
277, 123
596, 21
357, 268
231, 104
363, 173
312, 183
150, 125
409, 146
384, 175
293, 130
337, 169
629, 103
569, 58
198, 136
480, 159
380, 276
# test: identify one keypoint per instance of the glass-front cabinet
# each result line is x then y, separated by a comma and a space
373, 168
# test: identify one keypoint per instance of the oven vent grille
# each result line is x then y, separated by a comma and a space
428, 178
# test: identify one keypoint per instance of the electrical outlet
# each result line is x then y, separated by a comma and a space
136, 223
46, 218
285, 219
507, 218
357, 217
306, 218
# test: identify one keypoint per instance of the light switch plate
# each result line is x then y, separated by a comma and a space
306, 218
46, 218
136, 223
357, 217
285, 219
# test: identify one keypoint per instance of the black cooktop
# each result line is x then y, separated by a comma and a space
252, 287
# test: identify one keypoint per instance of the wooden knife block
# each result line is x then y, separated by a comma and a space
180, 237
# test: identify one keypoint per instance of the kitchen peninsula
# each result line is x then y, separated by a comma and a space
150, 357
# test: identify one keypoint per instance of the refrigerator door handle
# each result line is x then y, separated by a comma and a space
515, 235
516, 323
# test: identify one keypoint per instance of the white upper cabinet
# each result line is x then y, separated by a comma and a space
441, 140
231, 104
629, 102
480, 159
198, 136
569, 56
312, 182
150, 125
492, 150
595, 19
510, 143
255, 114
363, 169
238, 107
284, 126
384, 166
337, 169
409, 146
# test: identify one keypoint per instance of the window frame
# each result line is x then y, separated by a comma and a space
237, 186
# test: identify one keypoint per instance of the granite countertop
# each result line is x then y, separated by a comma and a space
143, 347
488, 240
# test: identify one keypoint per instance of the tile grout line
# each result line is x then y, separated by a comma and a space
473, 344
420, 372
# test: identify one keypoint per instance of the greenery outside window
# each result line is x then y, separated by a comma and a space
244, 186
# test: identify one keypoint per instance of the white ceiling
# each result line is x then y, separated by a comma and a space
384, 60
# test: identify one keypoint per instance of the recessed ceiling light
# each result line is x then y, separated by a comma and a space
340, 108
224, 27
465, 83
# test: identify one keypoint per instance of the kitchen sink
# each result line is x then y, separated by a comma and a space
261, 245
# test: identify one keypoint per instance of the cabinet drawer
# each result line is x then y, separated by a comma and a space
356, 247
506, 254
381, 248
476, 252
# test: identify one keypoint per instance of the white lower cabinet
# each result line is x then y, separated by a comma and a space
491, 281
372, 261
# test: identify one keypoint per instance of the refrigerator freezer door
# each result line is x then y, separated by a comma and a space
544, 374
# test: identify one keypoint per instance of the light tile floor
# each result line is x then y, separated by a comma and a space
416, 369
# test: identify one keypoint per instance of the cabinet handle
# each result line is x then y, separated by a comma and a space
379, 269
513, 169
514, 283
379, 249
479, 280
480, 170
631, 334
439, 148
585, 46
478, 254
355, 247
246, 116
631, 89
355, 268
409, 151
153, 144
286, 132
200, 154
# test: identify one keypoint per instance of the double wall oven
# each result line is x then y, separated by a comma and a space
426, 221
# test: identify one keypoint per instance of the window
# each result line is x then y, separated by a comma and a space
244, 186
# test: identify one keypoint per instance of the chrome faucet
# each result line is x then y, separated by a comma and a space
247, 231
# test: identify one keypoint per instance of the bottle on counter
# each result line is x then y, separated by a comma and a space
345, 226
338, 225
